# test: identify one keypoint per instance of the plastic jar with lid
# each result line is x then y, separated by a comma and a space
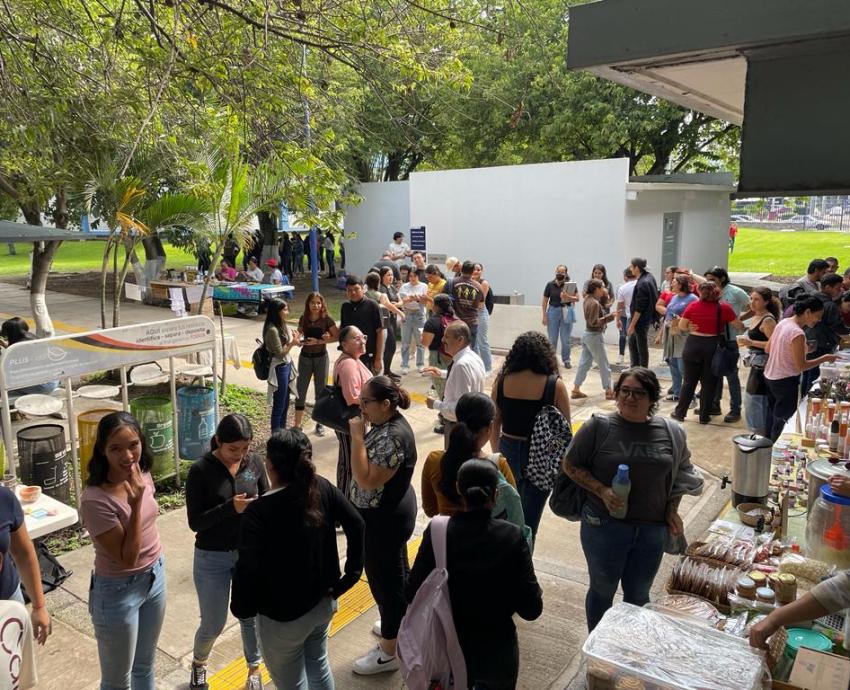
765, 595
828, 529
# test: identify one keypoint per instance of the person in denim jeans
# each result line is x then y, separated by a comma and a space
482, 340
593, 340
673, 341
127, 594
219, 487
519, 395
558, 312
413, 295
628, 551
288, 574
279, 339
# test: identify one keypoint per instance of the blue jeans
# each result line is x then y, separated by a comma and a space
127, 614
561, 321
593, 349
676, 371
296, 652
533, 499
212, 572
280, 401
482, 342
411, 330
618, 552
756, 410
734, 392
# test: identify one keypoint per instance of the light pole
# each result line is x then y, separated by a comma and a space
314, 250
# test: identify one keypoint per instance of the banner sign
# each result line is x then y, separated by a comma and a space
32, 362
417, 239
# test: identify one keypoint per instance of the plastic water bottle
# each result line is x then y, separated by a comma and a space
621, 486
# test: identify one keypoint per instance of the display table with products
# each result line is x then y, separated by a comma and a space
250, 293
46, 515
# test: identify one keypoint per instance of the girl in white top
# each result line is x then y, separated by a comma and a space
413, 295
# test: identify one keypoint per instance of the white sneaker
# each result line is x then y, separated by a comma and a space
375, 662
420, 369
376, 627
405, 371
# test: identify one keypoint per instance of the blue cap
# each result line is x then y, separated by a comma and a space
623, 470
827, 494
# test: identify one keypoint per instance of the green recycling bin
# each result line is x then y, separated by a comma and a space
154, 414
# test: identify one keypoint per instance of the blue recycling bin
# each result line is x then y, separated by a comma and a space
197, 420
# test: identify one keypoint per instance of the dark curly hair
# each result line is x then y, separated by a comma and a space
648, 381
530, 351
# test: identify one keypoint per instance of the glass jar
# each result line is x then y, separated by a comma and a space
828, 529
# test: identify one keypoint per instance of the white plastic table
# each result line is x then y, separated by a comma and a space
47, 515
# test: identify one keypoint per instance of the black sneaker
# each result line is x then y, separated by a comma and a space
732, 417
320, 430
439, 429
715, 412
198, 678
678, 418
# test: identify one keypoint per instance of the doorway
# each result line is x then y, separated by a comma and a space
670, 241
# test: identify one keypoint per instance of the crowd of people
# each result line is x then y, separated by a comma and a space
266, 525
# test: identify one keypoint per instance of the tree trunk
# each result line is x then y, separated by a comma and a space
210, 275
60, 210
268, 228
104, 268
31, 211
42, 259
132, 259
129, 253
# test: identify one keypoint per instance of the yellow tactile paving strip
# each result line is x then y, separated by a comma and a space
352, 605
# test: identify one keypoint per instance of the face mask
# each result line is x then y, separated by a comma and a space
560, 278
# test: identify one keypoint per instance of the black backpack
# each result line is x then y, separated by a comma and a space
261, 360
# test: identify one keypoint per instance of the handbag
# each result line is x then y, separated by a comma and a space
724, 361
332, 411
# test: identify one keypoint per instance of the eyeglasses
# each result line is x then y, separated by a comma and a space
636, 393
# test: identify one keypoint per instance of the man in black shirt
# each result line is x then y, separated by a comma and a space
643, 312
828, 331
364, 313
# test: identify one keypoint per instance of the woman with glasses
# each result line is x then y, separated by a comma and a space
628, 550
382, 463
350, 375
279, 340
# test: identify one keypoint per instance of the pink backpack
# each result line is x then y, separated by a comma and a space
428, 648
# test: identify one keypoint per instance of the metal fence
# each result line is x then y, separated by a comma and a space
814, 213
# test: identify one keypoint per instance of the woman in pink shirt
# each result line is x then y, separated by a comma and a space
350, 374
127, 593
786, 360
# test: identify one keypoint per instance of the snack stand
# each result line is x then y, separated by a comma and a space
66, 357
753, 558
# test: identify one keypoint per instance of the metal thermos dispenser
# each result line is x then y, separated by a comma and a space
750, 468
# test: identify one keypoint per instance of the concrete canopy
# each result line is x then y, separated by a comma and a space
21, 232
773, 66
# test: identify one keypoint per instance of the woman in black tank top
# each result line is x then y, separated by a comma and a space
766, 308
531, 371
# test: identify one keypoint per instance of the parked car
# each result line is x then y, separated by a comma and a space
810, 221
740, 218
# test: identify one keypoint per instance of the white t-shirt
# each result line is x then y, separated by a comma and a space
17, 660
418, 290
624, 294
398, 251
255, 273
276, 277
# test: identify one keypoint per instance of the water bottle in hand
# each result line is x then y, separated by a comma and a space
621, 486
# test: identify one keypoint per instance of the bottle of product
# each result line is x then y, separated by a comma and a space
842, 435
833, 435
621, 486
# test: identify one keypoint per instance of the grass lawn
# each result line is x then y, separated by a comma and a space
786, 253
78, 256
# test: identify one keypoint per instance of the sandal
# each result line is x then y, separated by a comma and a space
577, 395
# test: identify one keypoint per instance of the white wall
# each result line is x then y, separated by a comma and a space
703, 230
522, 221
385, 209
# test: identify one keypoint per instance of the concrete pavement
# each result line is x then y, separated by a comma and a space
550, 646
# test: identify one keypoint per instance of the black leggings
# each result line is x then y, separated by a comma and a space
782, 401
387, 533
389, 346
639, 347
696, 358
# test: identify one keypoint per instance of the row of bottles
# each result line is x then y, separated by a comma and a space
828, 425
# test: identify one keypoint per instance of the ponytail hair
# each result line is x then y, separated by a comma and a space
291, 455
771, 301
232, 428
806, 302
477, 481
384, 388
474, 411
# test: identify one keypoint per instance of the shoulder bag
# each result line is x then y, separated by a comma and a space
725, 359
331, 410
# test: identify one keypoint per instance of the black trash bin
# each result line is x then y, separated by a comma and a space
42, 459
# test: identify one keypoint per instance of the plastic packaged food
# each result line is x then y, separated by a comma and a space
703, 579
691, 606
807, 570
635, 647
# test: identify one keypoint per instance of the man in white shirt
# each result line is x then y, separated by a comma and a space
624, 300
465, 374
399, 249
413, 295
253, 273
275, 276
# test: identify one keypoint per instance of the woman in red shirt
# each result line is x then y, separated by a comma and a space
702, 319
